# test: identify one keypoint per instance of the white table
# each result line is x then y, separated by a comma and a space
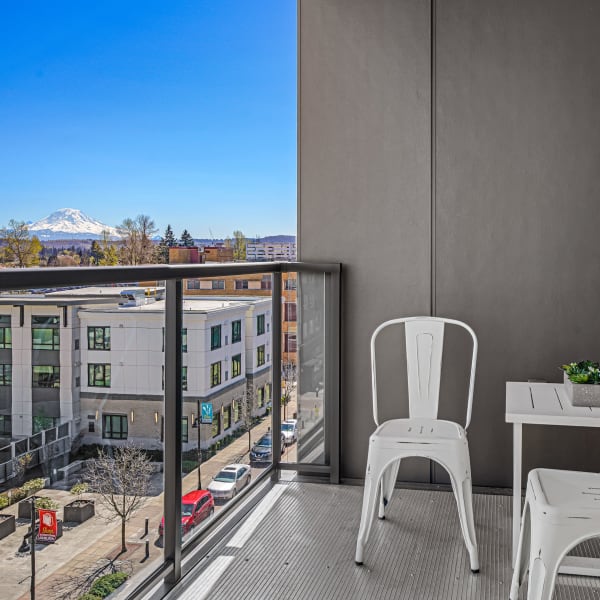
544, 404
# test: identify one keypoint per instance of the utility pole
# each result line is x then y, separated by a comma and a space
33, 536
198, 423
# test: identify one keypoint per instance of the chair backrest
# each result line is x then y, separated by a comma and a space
424, 346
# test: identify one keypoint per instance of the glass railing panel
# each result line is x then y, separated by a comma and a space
81, 423
310, 391
227, 392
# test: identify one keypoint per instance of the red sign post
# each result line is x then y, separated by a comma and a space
48, 526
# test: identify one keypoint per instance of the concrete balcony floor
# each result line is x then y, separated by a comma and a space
299, 543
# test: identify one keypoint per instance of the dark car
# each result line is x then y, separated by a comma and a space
262, 451
195, 507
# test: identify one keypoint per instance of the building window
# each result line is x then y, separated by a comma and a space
241, 284
215, 374
46, 377
215, 337
236, 332
184, 339
45, 334
5, 332
98, 375
260, 324
216, 425
218, 284
5, 426
98, 338
114, 427
237, 411
260, 397
289, 311
291, 284
40, 423
226, 417
236, 366
184, 429
91, 427
265, 283
289, 342
260, 356
5, 375
268, 391
193, 284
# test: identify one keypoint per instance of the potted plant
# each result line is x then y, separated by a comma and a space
81, 509
40, 502
582, 383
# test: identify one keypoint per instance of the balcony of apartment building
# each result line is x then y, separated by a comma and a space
448, 160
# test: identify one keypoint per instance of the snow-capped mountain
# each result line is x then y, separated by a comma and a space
69, 223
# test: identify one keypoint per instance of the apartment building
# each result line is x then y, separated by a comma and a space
96, 356
270, 251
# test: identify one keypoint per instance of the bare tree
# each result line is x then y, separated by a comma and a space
136, 234
18, 246
121, 482
288, 381
247, 405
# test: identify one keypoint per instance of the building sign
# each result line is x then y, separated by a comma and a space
48, 525
207, 413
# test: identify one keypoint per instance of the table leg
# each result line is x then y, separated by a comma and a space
517, 468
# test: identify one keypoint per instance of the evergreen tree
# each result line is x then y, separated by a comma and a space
186, 238
239, 245
96, 252
167, 241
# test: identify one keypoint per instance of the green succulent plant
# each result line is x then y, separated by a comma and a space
585, 371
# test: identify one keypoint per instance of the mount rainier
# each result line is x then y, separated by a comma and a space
69, 223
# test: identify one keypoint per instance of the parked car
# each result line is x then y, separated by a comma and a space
195, 507
289, 428
262, 451
229, 481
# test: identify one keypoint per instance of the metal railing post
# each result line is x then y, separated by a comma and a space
172, 437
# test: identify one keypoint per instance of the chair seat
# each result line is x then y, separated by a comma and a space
566, 493
419, 430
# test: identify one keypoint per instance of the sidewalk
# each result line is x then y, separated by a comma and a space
81, 547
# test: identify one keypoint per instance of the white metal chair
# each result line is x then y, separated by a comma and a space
562, 509
423, 434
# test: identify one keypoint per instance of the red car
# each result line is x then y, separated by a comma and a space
195, 507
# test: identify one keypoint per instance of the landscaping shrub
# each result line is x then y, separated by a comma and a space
19, 494
105, 585
46, 503
3, 501
32, 486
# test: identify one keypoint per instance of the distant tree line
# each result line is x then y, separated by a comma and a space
134, 245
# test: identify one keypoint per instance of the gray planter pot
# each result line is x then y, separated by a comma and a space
24, 507
7, 525
582, 394
79, 511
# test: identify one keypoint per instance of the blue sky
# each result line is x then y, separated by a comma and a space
184, 111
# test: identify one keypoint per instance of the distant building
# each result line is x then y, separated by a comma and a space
270, 251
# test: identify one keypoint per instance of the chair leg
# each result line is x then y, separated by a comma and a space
372, 479
388, 481
464, 501
542, 575
522, 558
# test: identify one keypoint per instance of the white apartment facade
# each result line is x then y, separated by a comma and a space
270, 251
87, 359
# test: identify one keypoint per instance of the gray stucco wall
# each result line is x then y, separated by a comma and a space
516, 187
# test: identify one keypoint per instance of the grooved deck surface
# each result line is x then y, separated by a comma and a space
302, 548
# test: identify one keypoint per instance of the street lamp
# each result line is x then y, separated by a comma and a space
196, 424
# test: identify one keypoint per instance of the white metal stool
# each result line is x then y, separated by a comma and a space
562, 509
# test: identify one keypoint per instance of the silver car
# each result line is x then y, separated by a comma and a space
229, 481
289, 429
